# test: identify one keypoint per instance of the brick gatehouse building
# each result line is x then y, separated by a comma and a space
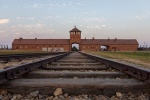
75, 37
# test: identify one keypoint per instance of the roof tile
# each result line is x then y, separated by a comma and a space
109, 41
75, 30
41, 41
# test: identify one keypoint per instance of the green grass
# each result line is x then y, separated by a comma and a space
138, 57
18, 52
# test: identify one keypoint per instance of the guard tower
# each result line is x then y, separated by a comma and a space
75, 37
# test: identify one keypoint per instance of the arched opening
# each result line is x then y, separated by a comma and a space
104, 48
75, 47
16, 48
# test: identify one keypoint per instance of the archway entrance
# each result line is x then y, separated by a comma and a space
104, 48
75, 47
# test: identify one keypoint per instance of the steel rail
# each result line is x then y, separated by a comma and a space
16, 71
7, 57
135, 71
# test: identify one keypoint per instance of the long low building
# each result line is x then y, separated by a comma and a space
64, 45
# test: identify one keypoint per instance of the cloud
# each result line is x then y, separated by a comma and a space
51, 5
103, 25
84, 12
34, 5
144, 16
78, 3
94, 19
28, 26
94, 27
98, 26
39, 25
63, 5
148, 12
4, 21
140, 17
2, 31
19, 18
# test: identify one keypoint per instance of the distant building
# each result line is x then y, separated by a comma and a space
64, 45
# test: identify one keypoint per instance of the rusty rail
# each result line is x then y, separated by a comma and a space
7, 57
137, 72
16, 71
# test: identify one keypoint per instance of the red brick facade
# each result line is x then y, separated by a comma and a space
65, 45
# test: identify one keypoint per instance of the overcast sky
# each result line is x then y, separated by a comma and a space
122, 19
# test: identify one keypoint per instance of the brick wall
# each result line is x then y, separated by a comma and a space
41, 47
66, 47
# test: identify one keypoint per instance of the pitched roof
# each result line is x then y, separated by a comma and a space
83, 41
41, 41
109, 41
75, 30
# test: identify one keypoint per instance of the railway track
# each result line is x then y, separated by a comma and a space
75, 74
10, 60
9, 57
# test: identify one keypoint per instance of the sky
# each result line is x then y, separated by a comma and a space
53, 19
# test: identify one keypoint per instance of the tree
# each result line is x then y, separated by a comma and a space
74, 48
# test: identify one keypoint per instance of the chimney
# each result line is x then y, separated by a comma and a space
115, 39
93, 39
85, 38
20, 38
35, 38
108, 39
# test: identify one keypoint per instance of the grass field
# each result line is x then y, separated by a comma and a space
18, 52
140, 58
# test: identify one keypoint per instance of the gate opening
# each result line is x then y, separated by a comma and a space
104, 48
75, 47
